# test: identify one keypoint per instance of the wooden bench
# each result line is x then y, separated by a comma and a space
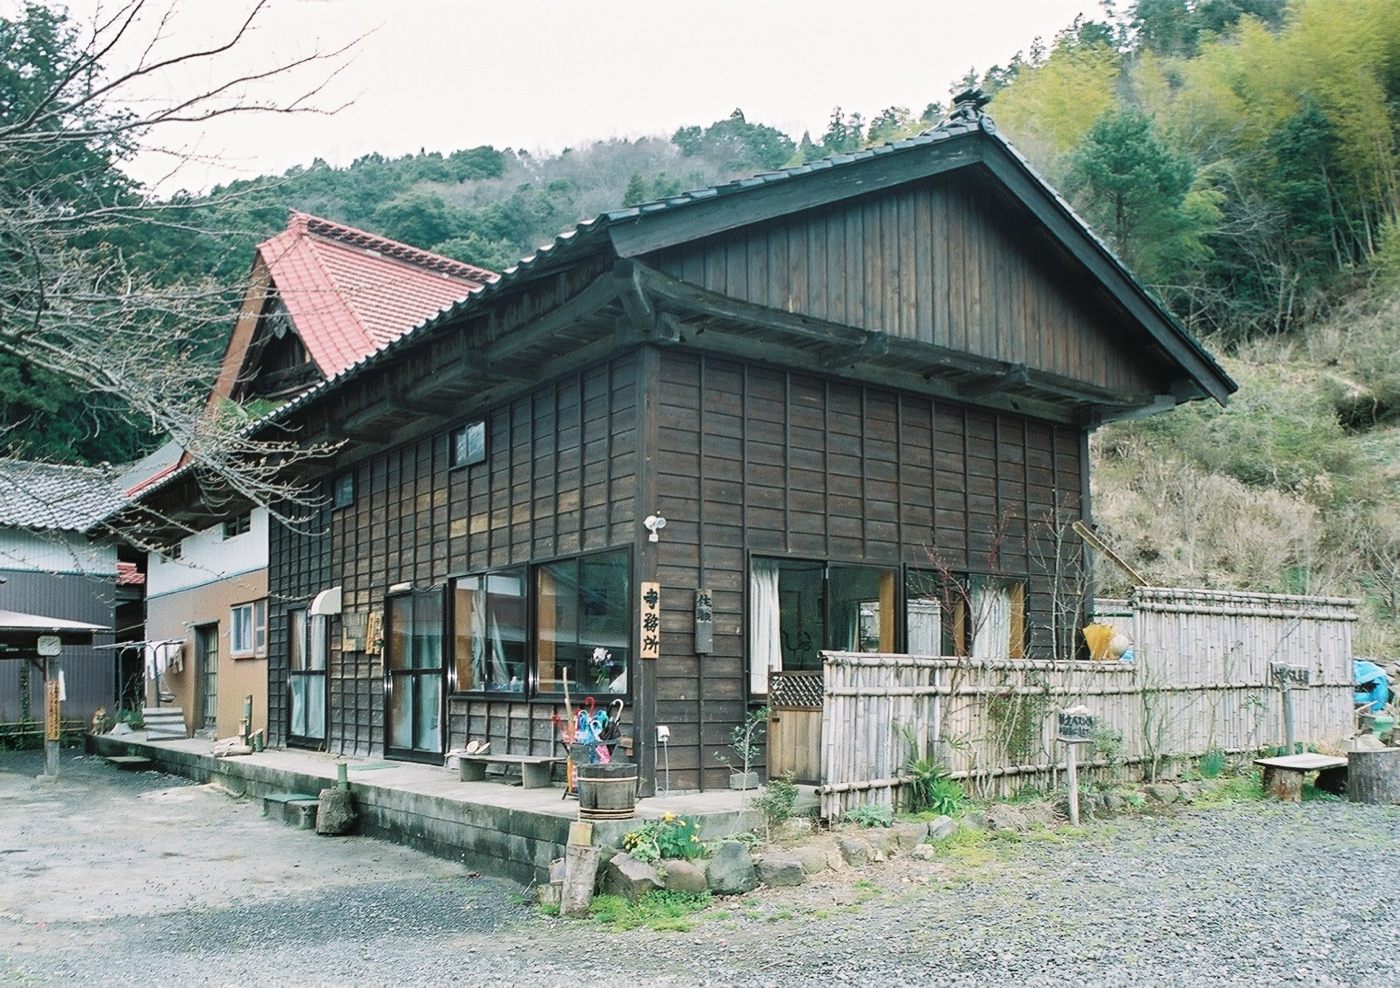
1283, 776
535, 770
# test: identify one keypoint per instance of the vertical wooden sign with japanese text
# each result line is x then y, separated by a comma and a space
651, 620
52, 717
704, 621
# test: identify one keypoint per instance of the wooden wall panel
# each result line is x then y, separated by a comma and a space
945, 261
757, 460
559, 477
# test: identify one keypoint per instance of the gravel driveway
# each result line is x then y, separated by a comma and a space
143, 878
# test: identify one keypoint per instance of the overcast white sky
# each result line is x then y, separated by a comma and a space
544, 74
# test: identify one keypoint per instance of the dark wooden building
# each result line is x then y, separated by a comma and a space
859, 393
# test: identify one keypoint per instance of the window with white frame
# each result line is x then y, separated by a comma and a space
248, 629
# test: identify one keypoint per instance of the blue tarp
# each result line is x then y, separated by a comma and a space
1371, 684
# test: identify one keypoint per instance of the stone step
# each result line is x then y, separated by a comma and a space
129, 762
295, 809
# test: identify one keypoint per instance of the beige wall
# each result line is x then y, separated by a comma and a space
175, 616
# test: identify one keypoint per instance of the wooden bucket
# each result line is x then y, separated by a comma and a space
607, 791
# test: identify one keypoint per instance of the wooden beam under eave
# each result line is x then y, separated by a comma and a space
689, 298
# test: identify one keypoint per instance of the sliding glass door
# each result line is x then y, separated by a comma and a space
306, 679
413, 663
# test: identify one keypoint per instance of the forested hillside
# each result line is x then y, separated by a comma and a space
1241, 155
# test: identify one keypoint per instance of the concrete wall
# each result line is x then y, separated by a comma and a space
24, 551
175, 614
207, 557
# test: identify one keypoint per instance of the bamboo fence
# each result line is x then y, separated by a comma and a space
1200, 683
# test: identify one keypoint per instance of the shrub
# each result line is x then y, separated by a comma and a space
776, 803
672, 836
870, 815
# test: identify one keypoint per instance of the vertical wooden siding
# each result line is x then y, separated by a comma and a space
559, 478
941, 261
754, 459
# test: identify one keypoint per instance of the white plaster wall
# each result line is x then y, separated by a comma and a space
207, 556
56, 552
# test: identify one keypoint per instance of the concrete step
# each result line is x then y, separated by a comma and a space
131, 763
295, 809
164, 723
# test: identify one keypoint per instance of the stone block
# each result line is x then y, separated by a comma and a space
812, 859
731, 870
779, 869
630, 878
879, 839
854, 852
974, 821
924, 852
1005, 818
942, 828
1161, 792
336, 813
684, 876
908, 836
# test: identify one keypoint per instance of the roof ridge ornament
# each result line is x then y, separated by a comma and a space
967, 107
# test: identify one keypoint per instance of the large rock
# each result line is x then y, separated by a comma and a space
854, 852
1003, 817
336, 814
974, 821
942, 828
684, 876
812, 859
778, 869
880, 841
630, 878
908, 836
924, 852
731, 870
1161, 792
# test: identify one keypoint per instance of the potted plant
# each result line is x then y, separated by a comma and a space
743, 741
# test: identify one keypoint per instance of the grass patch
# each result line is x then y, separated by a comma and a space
967, 847
661, 910
1240, 789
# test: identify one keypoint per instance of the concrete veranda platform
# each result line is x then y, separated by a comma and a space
495, 827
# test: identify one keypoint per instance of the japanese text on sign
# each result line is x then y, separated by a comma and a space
651, 621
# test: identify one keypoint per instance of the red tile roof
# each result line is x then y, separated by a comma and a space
350, 292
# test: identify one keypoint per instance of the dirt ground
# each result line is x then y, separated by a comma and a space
140, 878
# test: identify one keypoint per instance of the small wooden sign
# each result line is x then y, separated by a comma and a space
704, 621
651, 621
51, 710
352, 631
374, 632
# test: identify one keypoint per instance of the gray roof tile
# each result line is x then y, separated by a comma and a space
46, 496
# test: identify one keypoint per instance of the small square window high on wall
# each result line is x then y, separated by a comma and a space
238, 526
248, 629
343, 490
467, 444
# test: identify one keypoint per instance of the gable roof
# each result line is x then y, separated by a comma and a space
51, 497
968, 137
350, 292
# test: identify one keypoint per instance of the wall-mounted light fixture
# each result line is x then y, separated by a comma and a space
654, 524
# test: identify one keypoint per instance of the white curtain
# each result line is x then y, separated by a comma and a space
925, 622
765, 625
991, 614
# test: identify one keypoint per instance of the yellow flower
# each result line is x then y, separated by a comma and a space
668, 817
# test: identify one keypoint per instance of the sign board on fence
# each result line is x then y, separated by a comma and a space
1287, 676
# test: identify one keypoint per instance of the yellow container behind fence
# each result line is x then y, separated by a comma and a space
1097, 637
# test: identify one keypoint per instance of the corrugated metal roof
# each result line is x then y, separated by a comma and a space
50, 497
